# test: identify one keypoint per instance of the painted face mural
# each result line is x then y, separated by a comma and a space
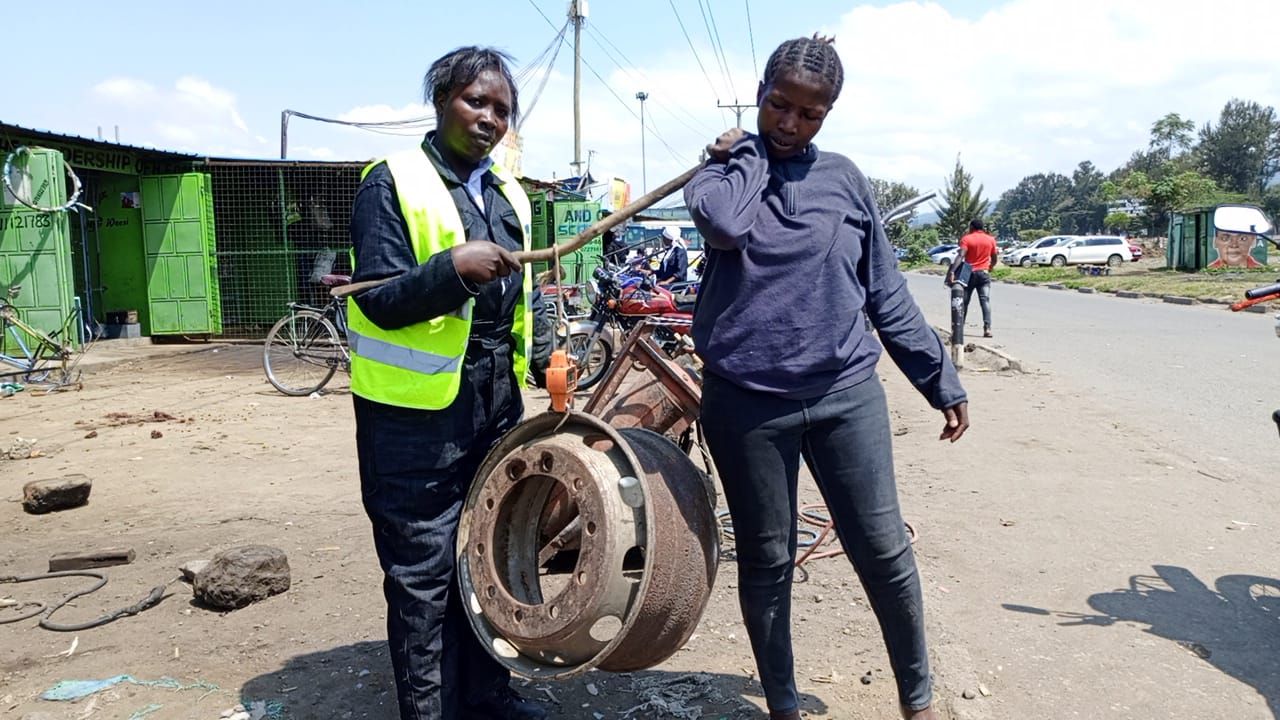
1237, 250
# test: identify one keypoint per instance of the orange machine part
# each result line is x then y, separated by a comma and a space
562, 380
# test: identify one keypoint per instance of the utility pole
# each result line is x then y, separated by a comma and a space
737, 108
644, 172
577, 15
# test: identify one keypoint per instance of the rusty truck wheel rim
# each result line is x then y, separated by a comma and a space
583, 546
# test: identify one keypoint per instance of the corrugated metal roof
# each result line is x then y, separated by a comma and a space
10, 127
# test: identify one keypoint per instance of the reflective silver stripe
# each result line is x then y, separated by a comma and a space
464, 312
399, 356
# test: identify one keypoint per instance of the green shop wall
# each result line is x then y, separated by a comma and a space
35, 252
559, 221
120, 257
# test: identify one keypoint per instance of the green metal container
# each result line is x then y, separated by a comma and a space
35, 252
1196, 243
556, 221
178, 241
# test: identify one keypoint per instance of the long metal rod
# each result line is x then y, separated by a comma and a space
607, 223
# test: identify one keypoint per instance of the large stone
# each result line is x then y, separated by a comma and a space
243, 575
68, 491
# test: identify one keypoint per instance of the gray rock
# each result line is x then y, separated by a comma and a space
192, 568
68, 491
243, 575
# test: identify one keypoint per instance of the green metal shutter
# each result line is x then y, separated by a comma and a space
177, 229
35, 252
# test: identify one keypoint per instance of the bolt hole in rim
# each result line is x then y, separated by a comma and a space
564, 588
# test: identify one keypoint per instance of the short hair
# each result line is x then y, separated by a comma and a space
977, 224
460, 68
816, 55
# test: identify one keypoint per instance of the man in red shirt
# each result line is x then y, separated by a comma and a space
979, 250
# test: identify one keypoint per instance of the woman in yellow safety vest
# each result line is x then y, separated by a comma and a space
438, 355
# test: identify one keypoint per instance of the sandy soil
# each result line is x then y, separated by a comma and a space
1021, 546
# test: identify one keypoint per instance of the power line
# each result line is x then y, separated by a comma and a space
751, 34
608, 87
695, 50
546, 75
644, 81
709, 20
628, 108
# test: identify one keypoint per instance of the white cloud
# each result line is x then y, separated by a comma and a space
1030, 86
192, 115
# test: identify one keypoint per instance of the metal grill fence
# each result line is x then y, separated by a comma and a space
280, 226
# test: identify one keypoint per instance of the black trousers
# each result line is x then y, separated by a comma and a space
415, 469
757, 441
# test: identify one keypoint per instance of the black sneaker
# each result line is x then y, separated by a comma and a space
506, 704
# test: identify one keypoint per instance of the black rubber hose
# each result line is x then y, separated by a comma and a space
151, 600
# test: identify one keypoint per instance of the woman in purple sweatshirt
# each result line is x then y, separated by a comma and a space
795, 259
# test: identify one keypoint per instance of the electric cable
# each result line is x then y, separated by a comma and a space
644, 80
751, 34
713, 32
688, 39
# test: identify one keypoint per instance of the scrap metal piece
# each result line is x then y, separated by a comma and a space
584, 546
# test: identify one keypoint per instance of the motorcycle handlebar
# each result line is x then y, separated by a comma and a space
1263, 291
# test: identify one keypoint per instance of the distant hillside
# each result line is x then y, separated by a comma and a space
925, 217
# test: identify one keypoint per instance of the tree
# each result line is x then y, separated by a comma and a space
1118, 221
889, 195
1171, 136
1032, 203
960, 203
1083, 209
1242, 152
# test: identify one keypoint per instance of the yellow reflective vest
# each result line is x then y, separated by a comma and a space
420, 366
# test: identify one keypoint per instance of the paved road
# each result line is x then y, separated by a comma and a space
1104, 543
1208, 377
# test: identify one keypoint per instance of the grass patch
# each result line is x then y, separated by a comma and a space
1214, 285
1141, 277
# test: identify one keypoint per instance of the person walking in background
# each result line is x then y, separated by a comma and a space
795, 254
977, 248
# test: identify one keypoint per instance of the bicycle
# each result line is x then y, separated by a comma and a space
305, 348
32, 356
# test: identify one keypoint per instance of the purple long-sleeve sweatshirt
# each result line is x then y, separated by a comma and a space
795, 255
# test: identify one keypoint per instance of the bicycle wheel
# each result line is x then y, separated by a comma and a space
301, 353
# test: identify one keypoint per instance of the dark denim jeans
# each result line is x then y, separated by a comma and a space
981, 282
757, 441
415, 469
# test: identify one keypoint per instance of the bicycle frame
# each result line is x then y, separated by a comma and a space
336, 312
34, 357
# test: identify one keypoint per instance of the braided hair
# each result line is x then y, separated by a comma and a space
815, 55
460, 68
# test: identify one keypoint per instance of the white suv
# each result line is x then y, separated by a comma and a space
1091, 250
1025, 256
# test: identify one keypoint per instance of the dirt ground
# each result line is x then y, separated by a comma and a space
1021, 558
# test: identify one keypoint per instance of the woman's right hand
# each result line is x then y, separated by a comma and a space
719, 150
482, 261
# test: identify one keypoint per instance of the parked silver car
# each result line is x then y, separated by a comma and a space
1026, 256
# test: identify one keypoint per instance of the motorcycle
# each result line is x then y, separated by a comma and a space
622, 299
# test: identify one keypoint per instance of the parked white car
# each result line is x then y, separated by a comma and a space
1112, 250
1025, 257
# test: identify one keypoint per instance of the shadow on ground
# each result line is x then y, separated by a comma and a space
1234, 626
356, 679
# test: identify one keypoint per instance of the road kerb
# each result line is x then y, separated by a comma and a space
1178, 300
984, 356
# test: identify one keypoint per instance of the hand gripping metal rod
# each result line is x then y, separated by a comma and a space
582, 238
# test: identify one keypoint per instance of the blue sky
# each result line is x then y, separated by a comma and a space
1013, 87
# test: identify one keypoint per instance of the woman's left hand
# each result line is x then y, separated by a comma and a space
957, 417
